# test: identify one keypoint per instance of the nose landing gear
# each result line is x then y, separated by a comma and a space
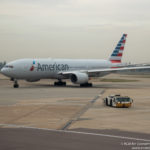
16, 85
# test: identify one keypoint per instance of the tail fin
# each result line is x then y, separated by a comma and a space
118, 51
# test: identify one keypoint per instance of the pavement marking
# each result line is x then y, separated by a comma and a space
82, 111
77, 132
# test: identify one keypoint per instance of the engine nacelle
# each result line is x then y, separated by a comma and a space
33, 80
79, 78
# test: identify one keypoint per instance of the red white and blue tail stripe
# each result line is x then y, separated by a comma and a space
118, 51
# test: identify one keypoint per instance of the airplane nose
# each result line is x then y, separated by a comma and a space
2, 70
5, 71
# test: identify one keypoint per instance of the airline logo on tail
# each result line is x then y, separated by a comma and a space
118, 51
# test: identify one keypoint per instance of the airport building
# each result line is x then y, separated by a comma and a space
2, 64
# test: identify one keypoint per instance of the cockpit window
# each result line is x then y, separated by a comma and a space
9, 66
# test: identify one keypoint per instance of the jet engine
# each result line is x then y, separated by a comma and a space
33, 80
79, 78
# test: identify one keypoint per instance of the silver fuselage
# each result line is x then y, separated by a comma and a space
51, 68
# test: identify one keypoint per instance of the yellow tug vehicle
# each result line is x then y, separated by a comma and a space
118, 101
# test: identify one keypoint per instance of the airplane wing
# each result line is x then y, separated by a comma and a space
119, 69
101, 72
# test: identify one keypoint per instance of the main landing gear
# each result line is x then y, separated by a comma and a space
16, 85
86, 85
11, 79
60, 83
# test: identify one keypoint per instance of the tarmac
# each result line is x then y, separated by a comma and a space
41, 116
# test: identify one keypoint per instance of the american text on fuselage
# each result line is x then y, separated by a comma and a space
52, 67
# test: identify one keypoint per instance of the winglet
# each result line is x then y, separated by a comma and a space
118, 51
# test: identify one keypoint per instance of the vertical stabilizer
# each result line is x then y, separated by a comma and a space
118, 51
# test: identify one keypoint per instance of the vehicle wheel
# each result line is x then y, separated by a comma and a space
110, 102
106, 102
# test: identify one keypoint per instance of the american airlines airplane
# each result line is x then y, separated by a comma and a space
79, 71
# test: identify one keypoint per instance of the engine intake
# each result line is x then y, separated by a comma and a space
79, 78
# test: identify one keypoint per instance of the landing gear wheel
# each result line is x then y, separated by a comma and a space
60, 83
16, 85
86, 85
12, 79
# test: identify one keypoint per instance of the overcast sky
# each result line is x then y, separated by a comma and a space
74, 29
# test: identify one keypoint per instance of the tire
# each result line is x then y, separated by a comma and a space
16, 85
106, 102
60, 83
111, 102
86, 85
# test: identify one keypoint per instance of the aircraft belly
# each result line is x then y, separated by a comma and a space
34, 74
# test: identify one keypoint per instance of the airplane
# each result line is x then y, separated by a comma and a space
79, 71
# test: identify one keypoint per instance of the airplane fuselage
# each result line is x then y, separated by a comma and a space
51, 68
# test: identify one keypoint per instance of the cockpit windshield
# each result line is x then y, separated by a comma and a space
8, 66
123, 99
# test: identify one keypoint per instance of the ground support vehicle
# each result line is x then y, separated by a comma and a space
118, 101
